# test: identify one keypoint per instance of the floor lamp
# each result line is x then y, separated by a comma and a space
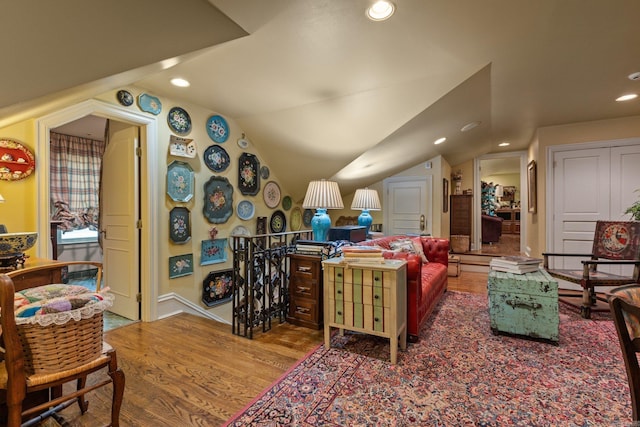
322, 195
367, 200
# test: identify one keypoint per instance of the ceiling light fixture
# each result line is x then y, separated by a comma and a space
439, 140
504, 144
627, 97
634, 76
469, 126
380, 10
180, 82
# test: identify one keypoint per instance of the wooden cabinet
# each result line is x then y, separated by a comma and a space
524, 304
367, 298
461, 210
305, 291
511, 223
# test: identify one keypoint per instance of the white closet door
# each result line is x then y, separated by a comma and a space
581, 197
625, 179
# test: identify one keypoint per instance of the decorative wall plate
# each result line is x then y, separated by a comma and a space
307, 216
182, 147
217, 288
248, 178
278, 222
179, 121
216, 158
149, 103
286, 203
296, 219
245, 210
239, 230
264, 172
180, 181
271, 194
180, 265
124, 97
213, 251
217, 129
218, 200
16, 160
180, 225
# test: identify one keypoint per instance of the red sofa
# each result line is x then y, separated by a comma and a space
426, 282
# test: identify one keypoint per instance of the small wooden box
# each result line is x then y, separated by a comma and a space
460, 243
524, 304
454, 266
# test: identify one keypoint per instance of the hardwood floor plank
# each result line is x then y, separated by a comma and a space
190, 371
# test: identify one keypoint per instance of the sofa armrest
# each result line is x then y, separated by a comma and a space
436, 249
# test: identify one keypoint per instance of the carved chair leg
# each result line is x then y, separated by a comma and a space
82, 402
14, 414
117, 376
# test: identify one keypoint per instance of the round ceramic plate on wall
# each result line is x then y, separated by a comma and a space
125, 98
271, 194
179, 121
217, 129
245, 210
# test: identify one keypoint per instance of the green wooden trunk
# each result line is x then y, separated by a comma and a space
524, 304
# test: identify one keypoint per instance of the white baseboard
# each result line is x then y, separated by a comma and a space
171, 304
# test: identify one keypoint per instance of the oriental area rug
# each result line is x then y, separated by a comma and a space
458, 374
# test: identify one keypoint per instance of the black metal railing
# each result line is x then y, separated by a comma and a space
261, 279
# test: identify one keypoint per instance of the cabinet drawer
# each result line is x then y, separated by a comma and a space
305, 267
302, 286
303, 309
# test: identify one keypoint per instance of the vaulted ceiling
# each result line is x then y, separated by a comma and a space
344, 97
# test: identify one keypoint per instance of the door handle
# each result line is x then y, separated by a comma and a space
422, 224
103, 233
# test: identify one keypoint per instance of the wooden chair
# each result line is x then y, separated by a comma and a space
22, 384
615, 243
625, 307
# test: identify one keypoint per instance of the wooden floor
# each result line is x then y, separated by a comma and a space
190, 371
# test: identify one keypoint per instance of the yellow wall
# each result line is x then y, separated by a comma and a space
19, 210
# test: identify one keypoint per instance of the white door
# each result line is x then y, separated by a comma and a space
590, 184
120, 212
407, 205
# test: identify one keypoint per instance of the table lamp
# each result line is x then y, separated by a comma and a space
322, 195
366, 200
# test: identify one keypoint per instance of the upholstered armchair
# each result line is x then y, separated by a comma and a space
491, 228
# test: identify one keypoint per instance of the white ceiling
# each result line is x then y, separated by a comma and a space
358, 101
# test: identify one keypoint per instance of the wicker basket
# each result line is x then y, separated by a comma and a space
52, 348
460, 243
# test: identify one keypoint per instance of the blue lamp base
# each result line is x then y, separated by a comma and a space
365, 220
320, 224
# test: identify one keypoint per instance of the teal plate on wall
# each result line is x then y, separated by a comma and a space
149, 104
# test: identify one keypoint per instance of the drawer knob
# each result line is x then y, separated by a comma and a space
377, 279
376, 296
339, 275
377, 319
339, 313
338, 292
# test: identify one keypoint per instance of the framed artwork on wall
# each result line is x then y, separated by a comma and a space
532, 186
445, 195
180, 265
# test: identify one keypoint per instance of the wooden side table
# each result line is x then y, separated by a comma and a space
369, 298
524, 304
305, 291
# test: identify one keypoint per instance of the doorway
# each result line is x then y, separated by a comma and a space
503, 177
147, 248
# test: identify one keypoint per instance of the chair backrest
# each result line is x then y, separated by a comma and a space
624, 302
617, 240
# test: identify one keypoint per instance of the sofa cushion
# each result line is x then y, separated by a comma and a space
410, 245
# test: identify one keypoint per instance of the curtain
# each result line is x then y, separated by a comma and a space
75, 180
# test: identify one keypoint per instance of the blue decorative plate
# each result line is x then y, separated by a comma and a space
180, 181
264, 172
216, 158
286, 203
218, 200
179, 121
217, 128
124, 97
278, 222
245, 210
149, 103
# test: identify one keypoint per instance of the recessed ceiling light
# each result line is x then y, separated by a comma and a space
439, 140
504, 144
627, 97
380, 10
180, 82
634, 76
470, 126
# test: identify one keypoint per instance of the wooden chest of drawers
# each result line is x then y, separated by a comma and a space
524, 304
368, 298
305, 291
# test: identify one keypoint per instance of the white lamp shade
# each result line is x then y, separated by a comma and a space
323, 194
499, 191
366, 199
